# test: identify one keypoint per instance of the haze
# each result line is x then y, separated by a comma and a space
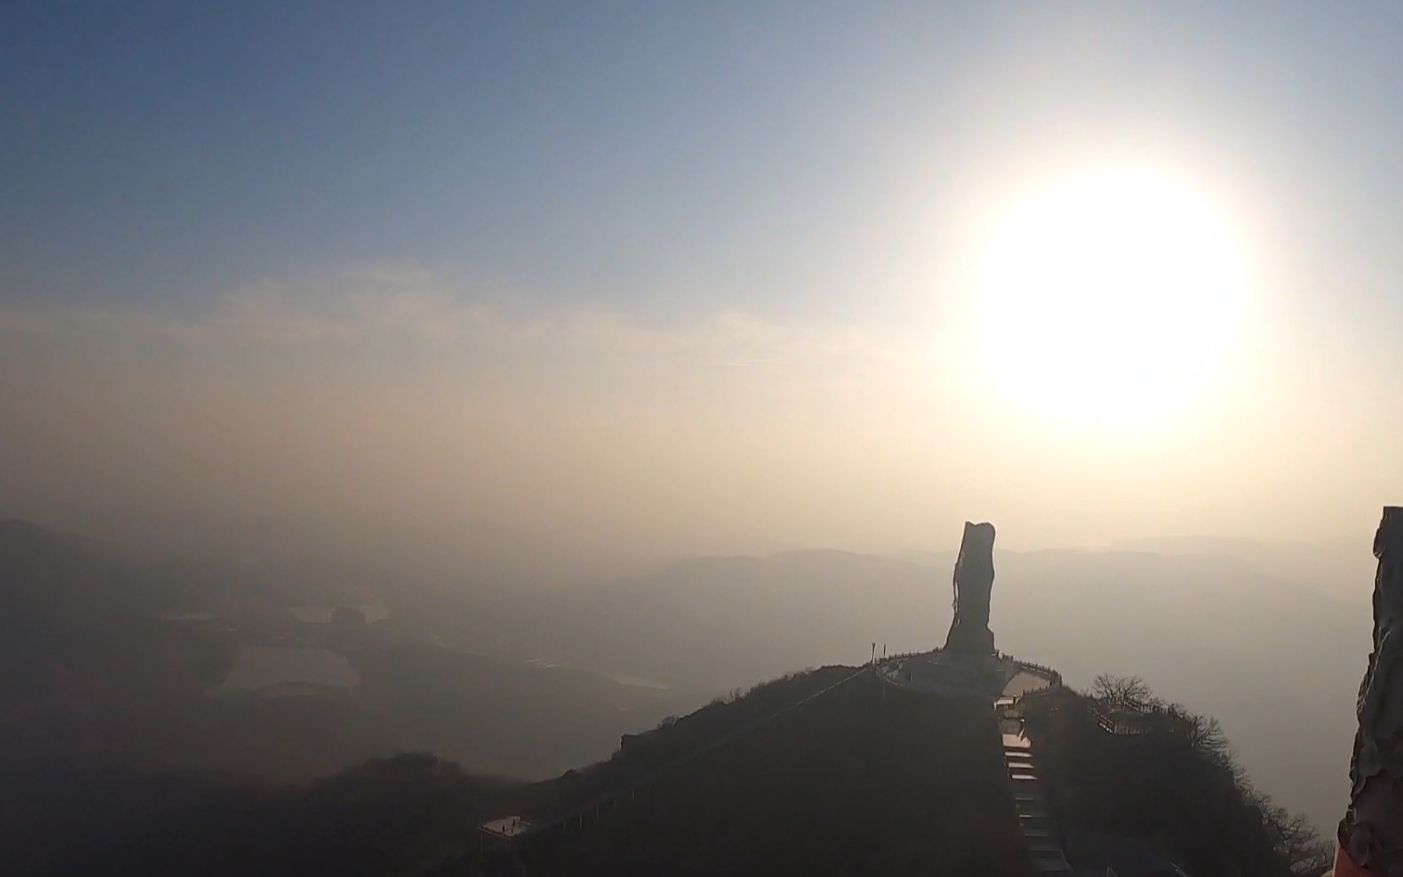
489, 300
535, 283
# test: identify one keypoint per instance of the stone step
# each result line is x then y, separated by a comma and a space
1052, 856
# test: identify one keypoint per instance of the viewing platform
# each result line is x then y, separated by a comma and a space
1000, 677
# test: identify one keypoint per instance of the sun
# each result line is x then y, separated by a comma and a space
1111, 296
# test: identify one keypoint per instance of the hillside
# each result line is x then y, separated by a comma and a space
87, 662
93, 666
116, 728
857, 781
78, 646
1266, 641
1135, 780
822, 772
392, 816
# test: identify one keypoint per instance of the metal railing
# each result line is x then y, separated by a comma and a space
632, 787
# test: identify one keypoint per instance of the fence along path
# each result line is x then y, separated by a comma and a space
1029, 799
607, 799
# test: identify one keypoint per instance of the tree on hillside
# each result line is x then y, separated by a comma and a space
1169, 782
1124, 692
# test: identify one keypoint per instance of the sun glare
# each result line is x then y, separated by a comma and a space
1111, 297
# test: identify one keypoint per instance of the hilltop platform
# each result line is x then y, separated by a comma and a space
995, 676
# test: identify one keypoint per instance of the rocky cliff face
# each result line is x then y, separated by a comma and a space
1372, 830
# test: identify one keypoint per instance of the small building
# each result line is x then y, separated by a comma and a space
506, 828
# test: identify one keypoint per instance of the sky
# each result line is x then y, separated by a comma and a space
518, 281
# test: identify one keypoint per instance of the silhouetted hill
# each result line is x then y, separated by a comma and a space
1234, 638
1160, 782
91, 665
857, 781
92, 677
76, 630
823, 772
868, 778
393, 816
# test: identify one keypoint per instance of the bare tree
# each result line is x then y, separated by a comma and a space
1125, 692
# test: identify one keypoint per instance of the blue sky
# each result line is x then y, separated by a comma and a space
176, 150
650, 157
688, 277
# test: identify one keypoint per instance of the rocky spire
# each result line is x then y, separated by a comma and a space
974, 581
1371, 834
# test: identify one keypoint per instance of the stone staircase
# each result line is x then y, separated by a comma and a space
1030, 802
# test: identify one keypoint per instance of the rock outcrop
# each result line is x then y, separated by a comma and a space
1372, 830
974, 582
